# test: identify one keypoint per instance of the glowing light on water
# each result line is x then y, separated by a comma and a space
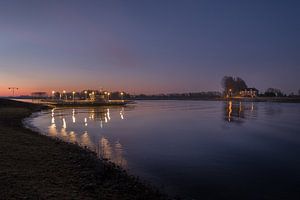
86, 141
53, 120
229, 110
122, 113
106, 150
85, 121
119, 159
72, 137
73, 116
108, 114
52, 130
64, 123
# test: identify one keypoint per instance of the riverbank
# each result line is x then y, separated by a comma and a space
34, 166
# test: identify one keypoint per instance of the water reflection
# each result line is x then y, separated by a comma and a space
67, 125
238, 111
226, 146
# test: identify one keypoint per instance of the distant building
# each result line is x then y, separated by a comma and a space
249, 92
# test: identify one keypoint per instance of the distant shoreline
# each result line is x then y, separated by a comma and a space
245, 99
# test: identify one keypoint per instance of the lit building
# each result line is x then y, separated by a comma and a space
249, 92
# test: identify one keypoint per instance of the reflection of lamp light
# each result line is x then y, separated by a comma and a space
106, 151
108, 114
229, 110
52, 117
122, 113
86, 141
52, 130
72, 137
64, 123
73, 116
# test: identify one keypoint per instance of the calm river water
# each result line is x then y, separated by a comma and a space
194, 149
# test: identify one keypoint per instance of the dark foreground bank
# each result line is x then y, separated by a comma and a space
34, 166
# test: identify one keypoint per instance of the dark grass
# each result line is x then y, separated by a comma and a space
33, 166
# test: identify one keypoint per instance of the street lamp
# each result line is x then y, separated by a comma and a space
122, 95
85, 92
64, 92
73, 96
108, 95
53, 92
13, 90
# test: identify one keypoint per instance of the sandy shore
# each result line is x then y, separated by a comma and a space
34, 166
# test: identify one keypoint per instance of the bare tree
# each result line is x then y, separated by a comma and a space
233, 85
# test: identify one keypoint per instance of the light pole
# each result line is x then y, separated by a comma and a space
122, 96
108, 94
64, 92
73, 96
85, 92
13, 89
53, 92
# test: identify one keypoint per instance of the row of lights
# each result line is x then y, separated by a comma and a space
85, 92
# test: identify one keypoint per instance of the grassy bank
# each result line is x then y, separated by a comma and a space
34, 166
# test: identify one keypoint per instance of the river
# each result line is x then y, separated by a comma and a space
193, 149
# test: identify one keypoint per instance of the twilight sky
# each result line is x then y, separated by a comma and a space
148, 46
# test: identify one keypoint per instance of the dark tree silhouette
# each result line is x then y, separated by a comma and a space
240, 84
273, 92
234, 85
